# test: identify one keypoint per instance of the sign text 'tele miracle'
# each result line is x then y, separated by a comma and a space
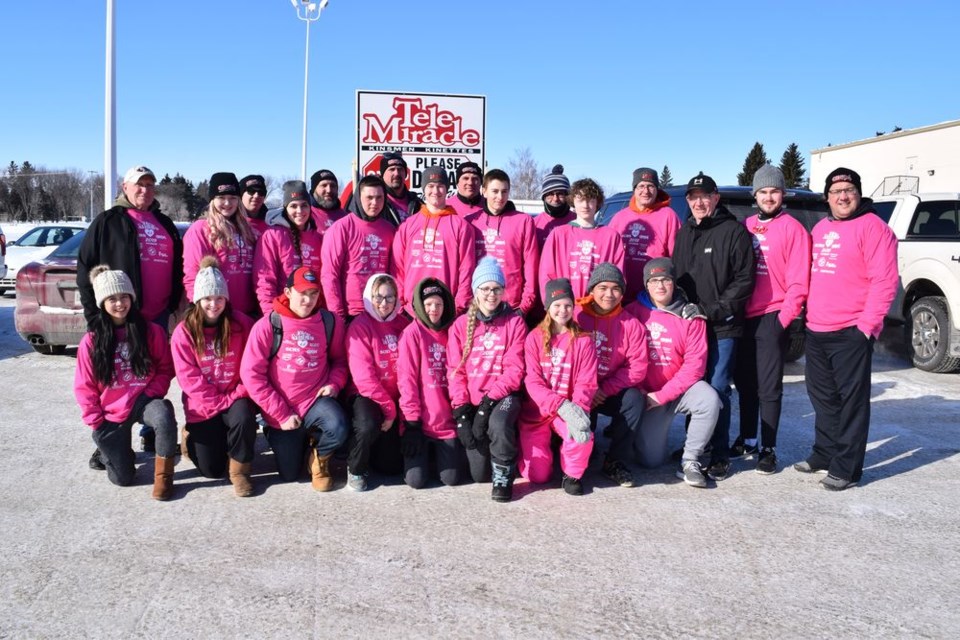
412, 123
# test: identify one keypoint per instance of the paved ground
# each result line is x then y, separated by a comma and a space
754, 556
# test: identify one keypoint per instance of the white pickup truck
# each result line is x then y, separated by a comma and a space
927, 226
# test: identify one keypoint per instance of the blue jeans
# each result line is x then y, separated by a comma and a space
721, 356
326, 420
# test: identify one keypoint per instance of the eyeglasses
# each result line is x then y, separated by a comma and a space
646, 186
700, 198
660, 282
378, 299
849, 191
255, 192
556, 194
491, 291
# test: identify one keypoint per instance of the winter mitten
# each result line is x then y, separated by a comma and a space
464, 417
578, 422
482, 418
691, 311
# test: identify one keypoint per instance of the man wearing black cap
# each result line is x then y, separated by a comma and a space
556, 208
853, 280
402, 202
324, 203
468, 198
713, 256
253, 196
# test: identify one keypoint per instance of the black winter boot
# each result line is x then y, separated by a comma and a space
502, 482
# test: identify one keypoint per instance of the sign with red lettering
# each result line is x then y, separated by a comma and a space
431, 130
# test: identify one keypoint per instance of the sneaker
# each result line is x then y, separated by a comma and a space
805, 467
618, 472
96, 462
691, 473
571, 485
355, 482
767, 462
502, 491
740, 449
718, 469
148, 442
833, 483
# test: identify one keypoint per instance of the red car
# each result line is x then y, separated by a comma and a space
48, 314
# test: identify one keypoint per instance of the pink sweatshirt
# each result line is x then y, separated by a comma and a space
275, 258
115, 402
494, 367
210, 384
439, 245
781, 249
353, 250
645, 235
510, 238
621, 344
573, 251
463, 209
545, 223
287, 384
422, 380
568, 372
373, 348
677, 349
236, 264
326, 219
854, 274
156, 254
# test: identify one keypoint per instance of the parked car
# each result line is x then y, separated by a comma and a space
35, 244
806, 206
48, 314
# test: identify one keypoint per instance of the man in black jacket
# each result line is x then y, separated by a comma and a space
713, 256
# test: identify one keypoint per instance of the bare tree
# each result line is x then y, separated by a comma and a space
525, 175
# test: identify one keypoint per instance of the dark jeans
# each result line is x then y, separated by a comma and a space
113, 439
368, 445
502, 437
448, 455
626, 412
324, 420
759, 377
838, 383
162, 321
232, 433
721, 356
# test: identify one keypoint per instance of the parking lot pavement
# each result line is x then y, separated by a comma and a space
753, 556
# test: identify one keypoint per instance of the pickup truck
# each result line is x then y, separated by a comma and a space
927, 226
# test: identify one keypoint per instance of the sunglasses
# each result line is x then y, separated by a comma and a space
255, 191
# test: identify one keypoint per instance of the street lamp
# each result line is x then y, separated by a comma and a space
308, 12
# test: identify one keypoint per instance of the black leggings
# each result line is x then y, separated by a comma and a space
232, 434
368, 445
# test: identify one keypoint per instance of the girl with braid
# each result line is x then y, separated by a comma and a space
485, 359
292, 242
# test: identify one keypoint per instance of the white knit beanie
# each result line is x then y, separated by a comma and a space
210, 280
110, 282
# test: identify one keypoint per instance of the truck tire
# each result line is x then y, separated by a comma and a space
929, 333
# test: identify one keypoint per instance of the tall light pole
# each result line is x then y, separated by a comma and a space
109, 116
308, 12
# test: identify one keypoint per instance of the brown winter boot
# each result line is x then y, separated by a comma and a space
162, 478
240, 478
320, 471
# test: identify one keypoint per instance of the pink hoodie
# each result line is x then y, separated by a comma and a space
353, 250
621, 343
854, 275
275, 258
373, 348
545, 223
439, 245
573, 251
463, 209
494, 367
645, 235
568, 372
210, 384
677, 349
510, 238
287, 384
236, 264
781, 249
422, 379
326, 219
114, 403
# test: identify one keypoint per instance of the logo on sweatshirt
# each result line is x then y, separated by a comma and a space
391, 341
556, 356
302, 338
830, 238
656, 329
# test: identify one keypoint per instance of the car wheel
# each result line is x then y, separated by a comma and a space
929, 333
50, 349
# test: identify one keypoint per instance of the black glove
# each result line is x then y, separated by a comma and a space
691, 311
411, 442
464, 417
482, 417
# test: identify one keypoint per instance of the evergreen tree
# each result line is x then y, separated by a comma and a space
666, 178
754, 160
791, 164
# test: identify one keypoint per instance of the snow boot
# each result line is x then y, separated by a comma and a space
162, 478
240, 478
320, 471
502, 482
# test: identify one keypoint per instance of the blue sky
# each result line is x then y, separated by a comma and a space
602, 87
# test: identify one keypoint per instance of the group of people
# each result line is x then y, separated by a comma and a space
455, 336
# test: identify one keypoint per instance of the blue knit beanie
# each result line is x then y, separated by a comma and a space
488, 270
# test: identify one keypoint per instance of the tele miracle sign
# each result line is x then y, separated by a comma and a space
431, 130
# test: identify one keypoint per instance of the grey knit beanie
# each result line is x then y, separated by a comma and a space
110, 282
768, 176
210, 280
606, 272
659, 268
294, 190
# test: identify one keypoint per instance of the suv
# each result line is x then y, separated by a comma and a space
806, 206
927, 226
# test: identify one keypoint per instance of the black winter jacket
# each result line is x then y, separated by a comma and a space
714, 264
